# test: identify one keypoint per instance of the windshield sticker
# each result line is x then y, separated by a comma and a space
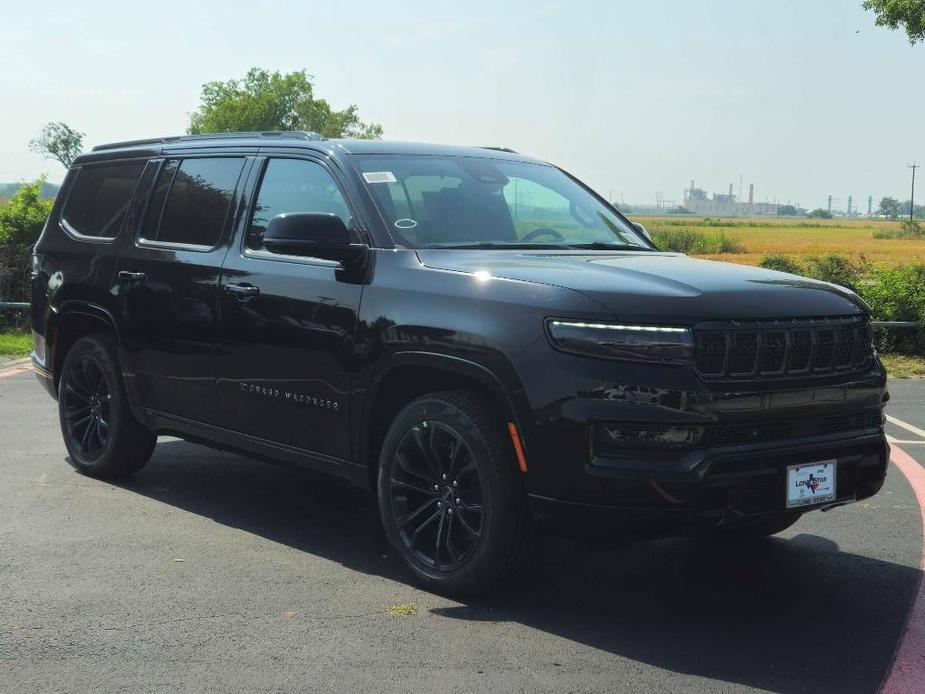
380, 177
404, 223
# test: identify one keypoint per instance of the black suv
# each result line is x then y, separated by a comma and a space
471, 333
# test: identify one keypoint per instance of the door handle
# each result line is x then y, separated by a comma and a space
128, 276
242, 291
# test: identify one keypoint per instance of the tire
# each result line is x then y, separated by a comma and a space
747, 530
451, 498
102, 437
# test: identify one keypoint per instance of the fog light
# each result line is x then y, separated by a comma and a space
622, 436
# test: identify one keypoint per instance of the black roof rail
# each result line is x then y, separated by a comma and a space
129, 143
278, 134
502, 149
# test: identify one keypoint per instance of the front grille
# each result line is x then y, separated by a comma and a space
783, 347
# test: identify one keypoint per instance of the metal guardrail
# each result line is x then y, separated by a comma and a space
898, 324
13, 305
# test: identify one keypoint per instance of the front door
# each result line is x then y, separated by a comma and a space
286, 326
166, 284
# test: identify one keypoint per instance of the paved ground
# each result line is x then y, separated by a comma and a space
209, 572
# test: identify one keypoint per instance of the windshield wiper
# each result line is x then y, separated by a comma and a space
483, 245
603, 246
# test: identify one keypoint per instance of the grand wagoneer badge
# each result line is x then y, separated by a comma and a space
291, 396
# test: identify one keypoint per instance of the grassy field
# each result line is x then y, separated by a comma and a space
904, 365
15, 343
798, 237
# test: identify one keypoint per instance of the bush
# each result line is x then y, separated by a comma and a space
782, 263
897, 293
819, 213
908, 229
837, 269
22, 218
694, 243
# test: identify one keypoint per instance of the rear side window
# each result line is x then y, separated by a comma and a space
99, 200
191, 201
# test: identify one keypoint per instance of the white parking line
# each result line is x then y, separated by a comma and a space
905, 425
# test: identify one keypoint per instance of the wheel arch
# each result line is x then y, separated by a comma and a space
70, 322
408, 375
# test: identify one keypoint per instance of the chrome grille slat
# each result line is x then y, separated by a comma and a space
782, 348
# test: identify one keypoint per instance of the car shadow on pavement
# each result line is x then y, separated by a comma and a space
787, 615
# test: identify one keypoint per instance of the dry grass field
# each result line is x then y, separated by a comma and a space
798, 237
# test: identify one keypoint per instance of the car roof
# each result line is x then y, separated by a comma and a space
267, 141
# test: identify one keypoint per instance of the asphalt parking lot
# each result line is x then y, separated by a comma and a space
209, 572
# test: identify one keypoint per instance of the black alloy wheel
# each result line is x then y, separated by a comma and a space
436, 495
102, 436
86, 401
451, 496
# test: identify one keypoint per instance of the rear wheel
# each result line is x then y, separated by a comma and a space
450, 495
102, 437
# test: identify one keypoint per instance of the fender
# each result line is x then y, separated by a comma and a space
72, 307
509, 391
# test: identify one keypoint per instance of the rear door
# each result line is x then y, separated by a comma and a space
286, 330
166, 284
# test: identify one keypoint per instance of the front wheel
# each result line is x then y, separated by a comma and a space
102, 437
451, 499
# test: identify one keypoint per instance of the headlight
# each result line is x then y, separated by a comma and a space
658, 343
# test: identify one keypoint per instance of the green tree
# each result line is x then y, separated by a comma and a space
819, 213
60, 142
266, 100
22, 218
907, 14
787, 211
889, 207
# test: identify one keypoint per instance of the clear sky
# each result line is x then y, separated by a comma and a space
803, 98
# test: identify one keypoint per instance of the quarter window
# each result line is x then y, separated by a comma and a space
294, 185
192, 199
99, 200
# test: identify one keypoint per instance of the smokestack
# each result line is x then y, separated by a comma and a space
870, 205
692, 184
830, 203
730, 190
751, 193
849, 205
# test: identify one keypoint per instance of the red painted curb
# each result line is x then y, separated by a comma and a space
13, 372
908, 671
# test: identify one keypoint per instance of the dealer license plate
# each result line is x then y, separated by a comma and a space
810, 484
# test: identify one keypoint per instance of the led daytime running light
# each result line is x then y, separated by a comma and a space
611, 326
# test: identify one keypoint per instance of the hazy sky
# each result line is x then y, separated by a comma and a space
802, 97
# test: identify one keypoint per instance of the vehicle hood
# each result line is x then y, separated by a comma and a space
666, 286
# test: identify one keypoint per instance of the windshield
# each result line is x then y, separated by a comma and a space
461, 202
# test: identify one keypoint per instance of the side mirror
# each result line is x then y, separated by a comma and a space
314, 235
642, 230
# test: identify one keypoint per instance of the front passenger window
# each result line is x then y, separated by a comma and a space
294, 185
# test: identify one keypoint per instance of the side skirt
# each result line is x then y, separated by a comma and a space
255, 447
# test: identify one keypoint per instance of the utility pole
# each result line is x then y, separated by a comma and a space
914, 165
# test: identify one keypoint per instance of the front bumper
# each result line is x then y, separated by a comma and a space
727, 485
